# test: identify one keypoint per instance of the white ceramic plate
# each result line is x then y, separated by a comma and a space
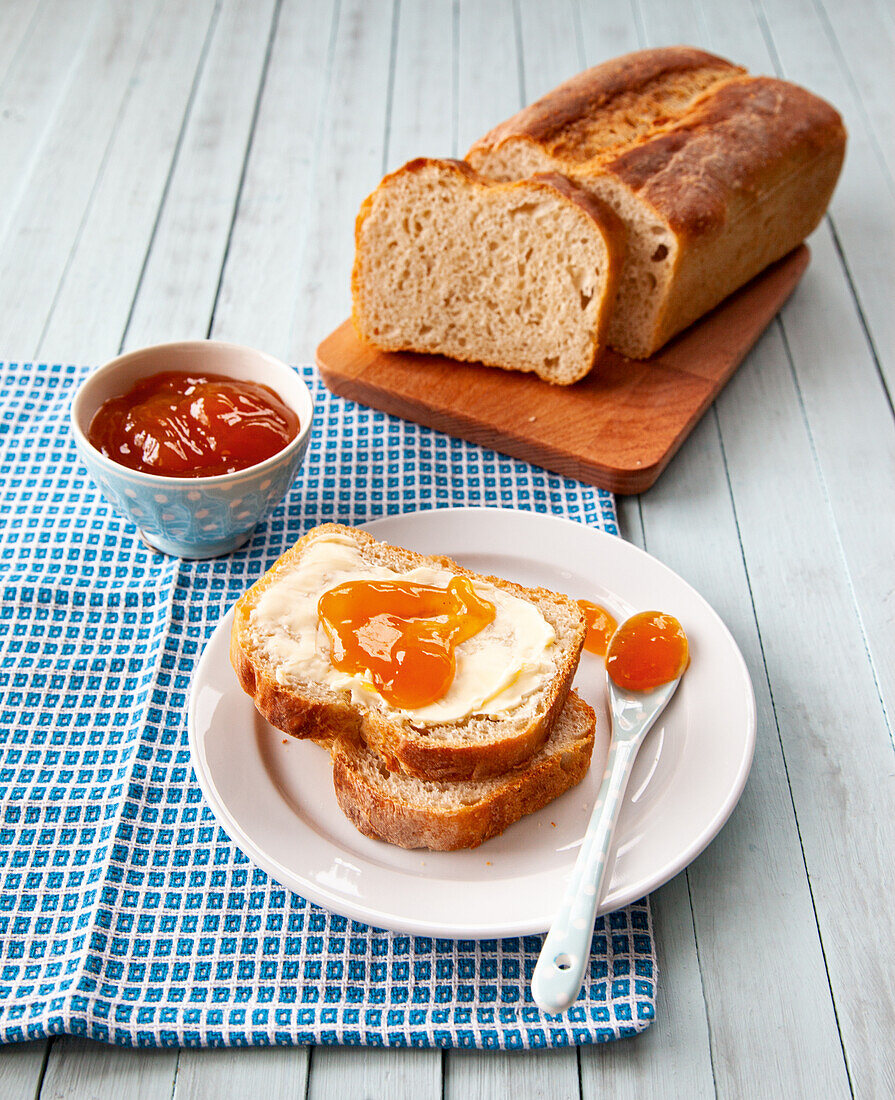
276, 800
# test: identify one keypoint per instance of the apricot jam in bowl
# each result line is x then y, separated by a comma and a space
194, 442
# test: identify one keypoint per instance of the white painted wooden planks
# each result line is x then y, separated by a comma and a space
93, 301
853, 439
178, 288
551, 46
837, 501
48, 219
752, 908
423, 110
349, 164
864, 39
21, 1068
536, 1075
79, 1068
797, 498
863, 207
607, 30
848, 409
812, 386
341, 1072
17, 21
266, 1073
489, 77
831, 726
671, 1058
262, 277
38, 73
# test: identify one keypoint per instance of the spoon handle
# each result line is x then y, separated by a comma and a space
561, 964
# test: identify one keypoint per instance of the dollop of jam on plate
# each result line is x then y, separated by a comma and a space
600, 627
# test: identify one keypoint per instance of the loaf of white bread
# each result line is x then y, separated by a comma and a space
506, 738
714, 174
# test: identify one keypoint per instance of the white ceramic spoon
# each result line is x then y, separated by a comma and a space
560, 967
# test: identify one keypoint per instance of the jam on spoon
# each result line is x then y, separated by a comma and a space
646, 659
647, 650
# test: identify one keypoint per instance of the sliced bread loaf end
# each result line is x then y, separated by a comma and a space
514, 275
715, 174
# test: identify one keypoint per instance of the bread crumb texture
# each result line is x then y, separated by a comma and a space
512, 276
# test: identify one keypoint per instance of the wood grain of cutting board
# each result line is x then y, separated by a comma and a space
618, 428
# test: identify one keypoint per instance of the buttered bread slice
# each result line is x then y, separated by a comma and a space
514, 275
510, 682
414, 813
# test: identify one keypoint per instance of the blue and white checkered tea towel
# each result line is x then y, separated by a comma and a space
126, 913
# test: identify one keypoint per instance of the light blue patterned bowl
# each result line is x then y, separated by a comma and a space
201, 517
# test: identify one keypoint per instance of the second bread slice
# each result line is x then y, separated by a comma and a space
413, 813
520, 276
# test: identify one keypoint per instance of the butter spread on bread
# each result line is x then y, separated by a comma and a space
496, 669
714, 172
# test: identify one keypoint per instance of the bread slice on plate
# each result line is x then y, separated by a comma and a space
519, 276
511, 682
414, 813
715, 173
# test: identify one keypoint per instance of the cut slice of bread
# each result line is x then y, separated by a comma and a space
281, 655
519, 276
412, 813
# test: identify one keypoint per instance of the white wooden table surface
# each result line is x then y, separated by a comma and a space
187, 168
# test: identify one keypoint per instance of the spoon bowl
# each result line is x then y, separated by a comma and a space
563, 959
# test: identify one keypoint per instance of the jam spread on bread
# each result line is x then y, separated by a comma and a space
177, 424
401, 634
648, 650
600, 627
503, 673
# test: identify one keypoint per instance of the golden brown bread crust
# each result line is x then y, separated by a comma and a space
741, 183
600, 212
323, 715
554, 120
735, 144
613, 228
419, 823
291, 712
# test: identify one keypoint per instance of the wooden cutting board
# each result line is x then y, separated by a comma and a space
618, 428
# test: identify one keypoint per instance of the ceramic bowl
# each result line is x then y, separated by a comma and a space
200, 517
